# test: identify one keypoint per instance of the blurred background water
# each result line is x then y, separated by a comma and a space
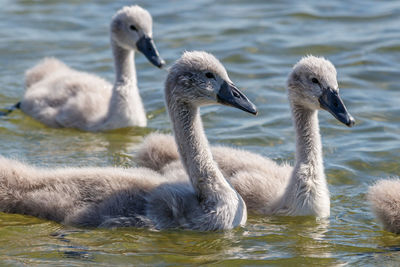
258, 42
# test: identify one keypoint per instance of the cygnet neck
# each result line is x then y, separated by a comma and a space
124, 62
308, 138
194, 149
126, 107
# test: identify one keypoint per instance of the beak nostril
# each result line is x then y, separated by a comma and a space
235, 94
335, 104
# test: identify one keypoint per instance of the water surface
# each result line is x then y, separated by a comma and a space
258, 42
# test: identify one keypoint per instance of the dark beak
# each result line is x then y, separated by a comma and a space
148, 48
229, 95
331, 101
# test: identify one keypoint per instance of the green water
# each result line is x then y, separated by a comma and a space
258, 42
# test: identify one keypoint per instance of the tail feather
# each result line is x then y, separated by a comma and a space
10, 109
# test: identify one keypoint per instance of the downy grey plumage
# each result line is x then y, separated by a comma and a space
266, 187
384, 199
59, 96
115, 197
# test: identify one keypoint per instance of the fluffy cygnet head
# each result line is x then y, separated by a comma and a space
131, 29
199, 79
312, 84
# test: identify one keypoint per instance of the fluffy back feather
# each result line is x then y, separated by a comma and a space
384, 198
45, 67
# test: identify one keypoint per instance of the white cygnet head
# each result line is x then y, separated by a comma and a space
312, 84
199, 79
131, 29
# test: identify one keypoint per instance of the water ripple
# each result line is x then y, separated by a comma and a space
258, 42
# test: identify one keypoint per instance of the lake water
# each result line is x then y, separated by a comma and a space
258, 42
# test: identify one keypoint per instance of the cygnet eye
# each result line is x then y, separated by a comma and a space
209, 75
315, 80
133, 28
